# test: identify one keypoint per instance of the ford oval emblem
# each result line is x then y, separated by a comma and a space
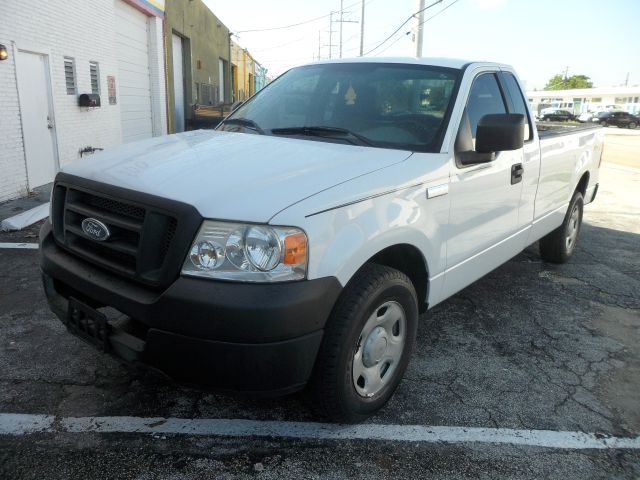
95, 229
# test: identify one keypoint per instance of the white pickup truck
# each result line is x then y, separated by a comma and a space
299, 242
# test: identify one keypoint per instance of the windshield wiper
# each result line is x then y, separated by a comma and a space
321, 131
245, 122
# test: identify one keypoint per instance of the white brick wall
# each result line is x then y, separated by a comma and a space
13, 173
83, 30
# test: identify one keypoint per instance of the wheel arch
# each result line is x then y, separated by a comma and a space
583, 183
409, 260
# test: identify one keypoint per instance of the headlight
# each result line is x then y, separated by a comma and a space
247, 253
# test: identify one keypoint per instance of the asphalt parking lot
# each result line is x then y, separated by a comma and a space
527, 351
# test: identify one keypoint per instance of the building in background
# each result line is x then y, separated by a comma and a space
260, 77
197, 54
242, 72
57, 51
587, 99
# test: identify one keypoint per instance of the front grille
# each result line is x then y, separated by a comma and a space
142, 237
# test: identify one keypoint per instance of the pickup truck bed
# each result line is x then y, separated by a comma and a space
546, 130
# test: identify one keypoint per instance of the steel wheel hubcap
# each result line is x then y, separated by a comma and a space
574, 224
379, 348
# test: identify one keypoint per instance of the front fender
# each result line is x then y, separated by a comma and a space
343, 239
351, 222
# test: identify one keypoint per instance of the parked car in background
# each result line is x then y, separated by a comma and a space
585, 116
618, 119
557, 116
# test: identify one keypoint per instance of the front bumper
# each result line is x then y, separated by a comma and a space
231, 336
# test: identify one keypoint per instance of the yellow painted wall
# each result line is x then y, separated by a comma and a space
244, 71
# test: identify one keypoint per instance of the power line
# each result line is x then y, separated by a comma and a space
445, 8
393, 43
283, 44
407, 33
295, 24
403, 24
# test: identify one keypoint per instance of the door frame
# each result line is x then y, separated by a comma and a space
184, 45
46, 53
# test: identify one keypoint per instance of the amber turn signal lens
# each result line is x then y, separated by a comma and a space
295, 249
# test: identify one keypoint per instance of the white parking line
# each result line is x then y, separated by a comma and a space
23, 424
29, 246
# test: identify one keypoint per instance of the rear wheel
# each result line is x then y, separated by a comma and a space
603, 123
632, 125
366, 346
559, 245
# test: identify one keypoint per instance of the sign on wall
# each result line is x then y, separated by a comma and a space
150, 7
111, 87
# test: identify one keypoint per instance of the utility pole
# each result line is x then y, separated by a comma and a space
341, 13
341, 20
318, 45
330, 33
419, 28
362, 29
626, 82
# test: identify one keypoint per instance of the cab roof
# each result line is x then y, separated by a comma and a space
434, 61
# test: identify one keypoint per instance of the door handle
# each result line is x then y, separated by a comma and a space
516, 173
437, 190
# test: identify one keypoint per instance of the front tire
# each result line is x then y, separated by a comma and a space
559, 245
366, 346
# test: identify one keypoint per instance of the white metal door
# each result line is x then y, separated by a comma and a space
178, 82
134, 84
37, 118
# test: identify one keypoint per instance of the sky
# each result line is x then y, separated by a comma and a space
540, 38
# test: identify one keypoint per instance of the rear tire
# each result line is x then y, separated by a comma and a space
632, 125
366, 346
559, 245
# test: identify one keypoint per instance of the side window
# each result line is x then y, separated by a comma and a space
70, 75
517, 101
484, 98
94, 75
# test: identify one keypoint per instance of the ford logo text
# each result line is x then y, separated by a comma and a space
95, 229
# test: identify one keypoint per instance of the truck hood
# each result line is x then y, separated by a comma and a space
232, 176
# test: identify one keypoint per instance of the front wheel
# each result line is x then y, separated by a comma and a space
559, 245
366, 346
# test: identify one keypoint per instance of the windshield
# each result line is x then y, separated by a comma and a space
383, 105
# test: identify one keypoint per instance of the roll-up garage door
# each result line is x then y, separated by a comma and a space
133, 67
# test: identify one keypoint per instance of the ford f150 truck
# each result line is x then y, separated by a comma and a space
298, 243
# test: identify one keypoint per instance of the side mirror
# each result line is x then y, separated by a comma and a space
500, 132
236, 105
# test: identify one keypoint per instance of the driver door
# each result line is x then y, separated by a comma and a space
484, 197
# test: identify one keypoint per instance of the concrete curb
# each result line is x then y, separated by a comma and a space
24, 219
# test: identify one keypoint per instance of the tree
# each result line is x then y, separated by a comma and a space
559, 82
